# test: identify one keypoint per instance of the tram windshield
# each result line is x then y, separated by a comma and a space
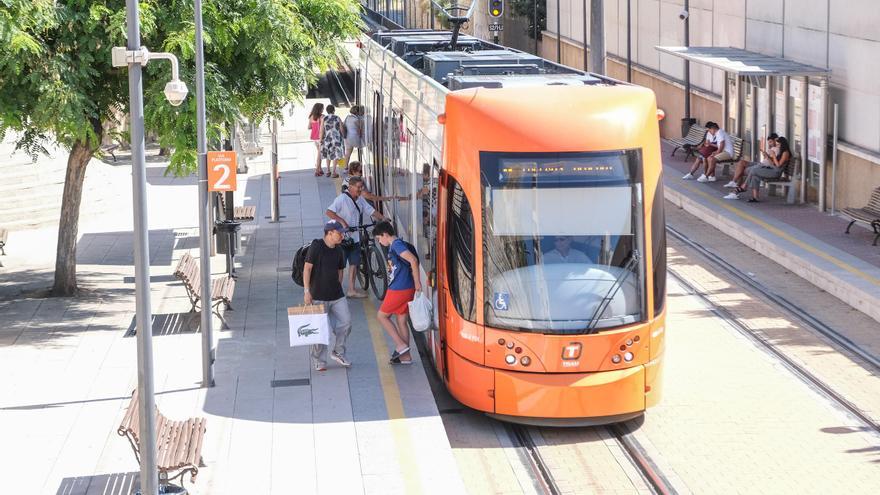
562, 240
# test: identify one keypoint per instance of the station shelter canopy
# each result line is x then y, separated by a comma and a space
757, 70
742, 62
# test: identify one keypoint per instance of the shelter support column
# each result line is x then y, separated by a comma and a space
725, 100
755, 90
805, 123
739, 107
822, 133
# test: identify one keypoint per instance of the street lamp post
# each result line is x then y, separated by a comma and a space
135, 57
204, 219
143, 311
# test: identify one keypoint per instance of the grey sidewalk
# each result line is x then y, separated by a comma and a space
800, 238
68, 370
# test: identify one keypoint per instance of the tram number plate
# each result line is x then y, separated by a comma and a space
496, 27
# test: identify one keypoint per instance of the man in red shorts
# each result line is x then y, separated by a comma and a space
403, 282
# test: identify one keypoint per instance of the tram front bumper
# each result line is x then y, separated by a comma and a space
613, 395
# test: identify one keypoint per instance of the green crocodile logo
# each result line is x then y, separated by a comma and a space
305, 332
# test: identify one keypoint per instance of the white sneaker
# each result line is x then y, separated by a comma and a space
711, 179
687, 176
339, 358
732, 195
731, 185
702, 178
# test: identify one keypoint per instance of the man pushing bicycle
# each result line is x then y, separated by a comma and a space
349, 209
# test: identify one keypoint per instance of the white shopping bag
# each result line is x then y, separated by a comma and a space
420, 312
308, 325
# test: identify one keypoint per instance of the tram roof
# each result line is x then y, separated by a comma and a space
476, 62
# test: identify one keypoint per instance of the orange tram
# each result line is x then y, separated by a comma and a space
535, 200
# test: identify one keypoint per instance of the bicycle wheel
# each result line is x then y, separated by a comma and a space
363, 270
379, 280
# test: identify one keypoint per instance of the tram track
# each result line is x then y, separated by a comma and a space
809, 321
541, 473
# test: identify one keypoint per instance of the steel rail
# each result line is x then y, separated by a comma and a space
813, 322
796, 369
541, 475
649, 470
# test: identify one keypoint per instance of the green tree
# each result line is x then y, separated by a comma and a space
526, 8
57, 81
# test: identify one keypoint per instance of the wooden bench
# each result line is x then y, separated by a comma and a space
239, 213
178, 443
690, 143
4, 235
737, 155
221, 288
870, 214
248, 147
788, 180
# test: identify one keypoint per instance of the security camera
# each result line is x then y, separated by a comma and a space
175, 92
684, 14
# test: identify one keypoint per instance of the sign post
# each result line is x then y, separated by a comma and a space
222, 178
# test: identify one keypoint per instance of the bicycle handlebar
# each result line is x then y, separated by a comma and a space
360, 227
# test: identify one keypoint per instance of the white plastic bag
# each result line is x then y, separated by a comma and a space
420, 312
308, 325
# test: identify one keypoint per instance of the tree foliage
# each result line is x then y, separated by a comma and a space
526, 9
57, 81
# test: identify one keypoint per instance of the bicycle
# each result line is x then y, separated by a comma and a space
372, 270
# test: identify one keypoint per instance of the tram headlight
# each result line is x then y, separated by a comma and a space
525, 361
628, 357
615, 359
510, 359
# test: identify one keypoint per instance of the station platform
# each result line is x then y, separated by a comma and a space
800, 238
274, 425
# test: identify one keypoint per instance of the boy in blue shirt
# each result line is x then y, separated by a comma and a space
403, 282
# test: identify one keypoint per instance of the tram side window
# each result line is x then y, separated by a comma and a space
658, 248
460, 249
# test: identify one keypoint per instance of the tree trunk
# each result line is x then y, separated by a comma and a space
68, 226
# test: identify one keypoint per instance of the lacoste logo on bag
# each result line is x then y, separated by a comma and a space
305, 332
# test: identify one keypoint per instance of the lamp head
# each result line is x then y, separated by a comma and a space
175, 92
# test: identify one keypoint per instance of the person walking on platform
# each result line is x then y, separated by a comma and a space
322, 279
332, 148
316, 120
349, 209
403, 282
354, 132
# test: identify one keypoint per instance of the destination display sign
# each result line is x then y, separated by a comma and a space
562, 171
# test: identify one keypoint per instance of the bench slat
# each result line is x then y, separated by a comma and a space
195, 447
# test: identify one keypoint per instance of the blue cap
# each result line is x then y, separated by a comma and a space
334, 225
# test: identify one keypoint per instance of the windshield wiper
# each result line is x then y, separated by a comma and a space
609, 296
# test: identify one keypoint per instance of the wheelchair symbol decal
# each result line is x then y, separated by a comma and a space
501, 301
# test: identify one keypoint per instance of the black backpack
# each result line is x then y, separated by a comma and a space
299, 263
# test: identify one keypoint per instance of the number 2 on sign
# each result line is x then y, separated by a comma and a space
220, 174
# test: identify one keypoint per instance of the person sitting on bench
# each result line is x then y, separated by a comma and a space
723, 151
766, 151
756, 174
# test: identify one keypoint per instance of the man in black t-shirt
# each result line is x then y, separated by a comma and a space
322, 279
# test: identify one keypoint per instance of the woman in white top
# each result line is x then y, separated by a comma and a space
354, 131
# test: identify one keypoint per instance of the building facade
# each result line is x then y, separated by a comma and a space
838, 35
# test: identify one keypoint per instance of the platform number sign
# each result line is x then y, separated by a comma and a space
496, 8
221, 171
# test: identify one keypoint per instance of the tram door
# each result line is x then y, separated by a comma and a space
378, 147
